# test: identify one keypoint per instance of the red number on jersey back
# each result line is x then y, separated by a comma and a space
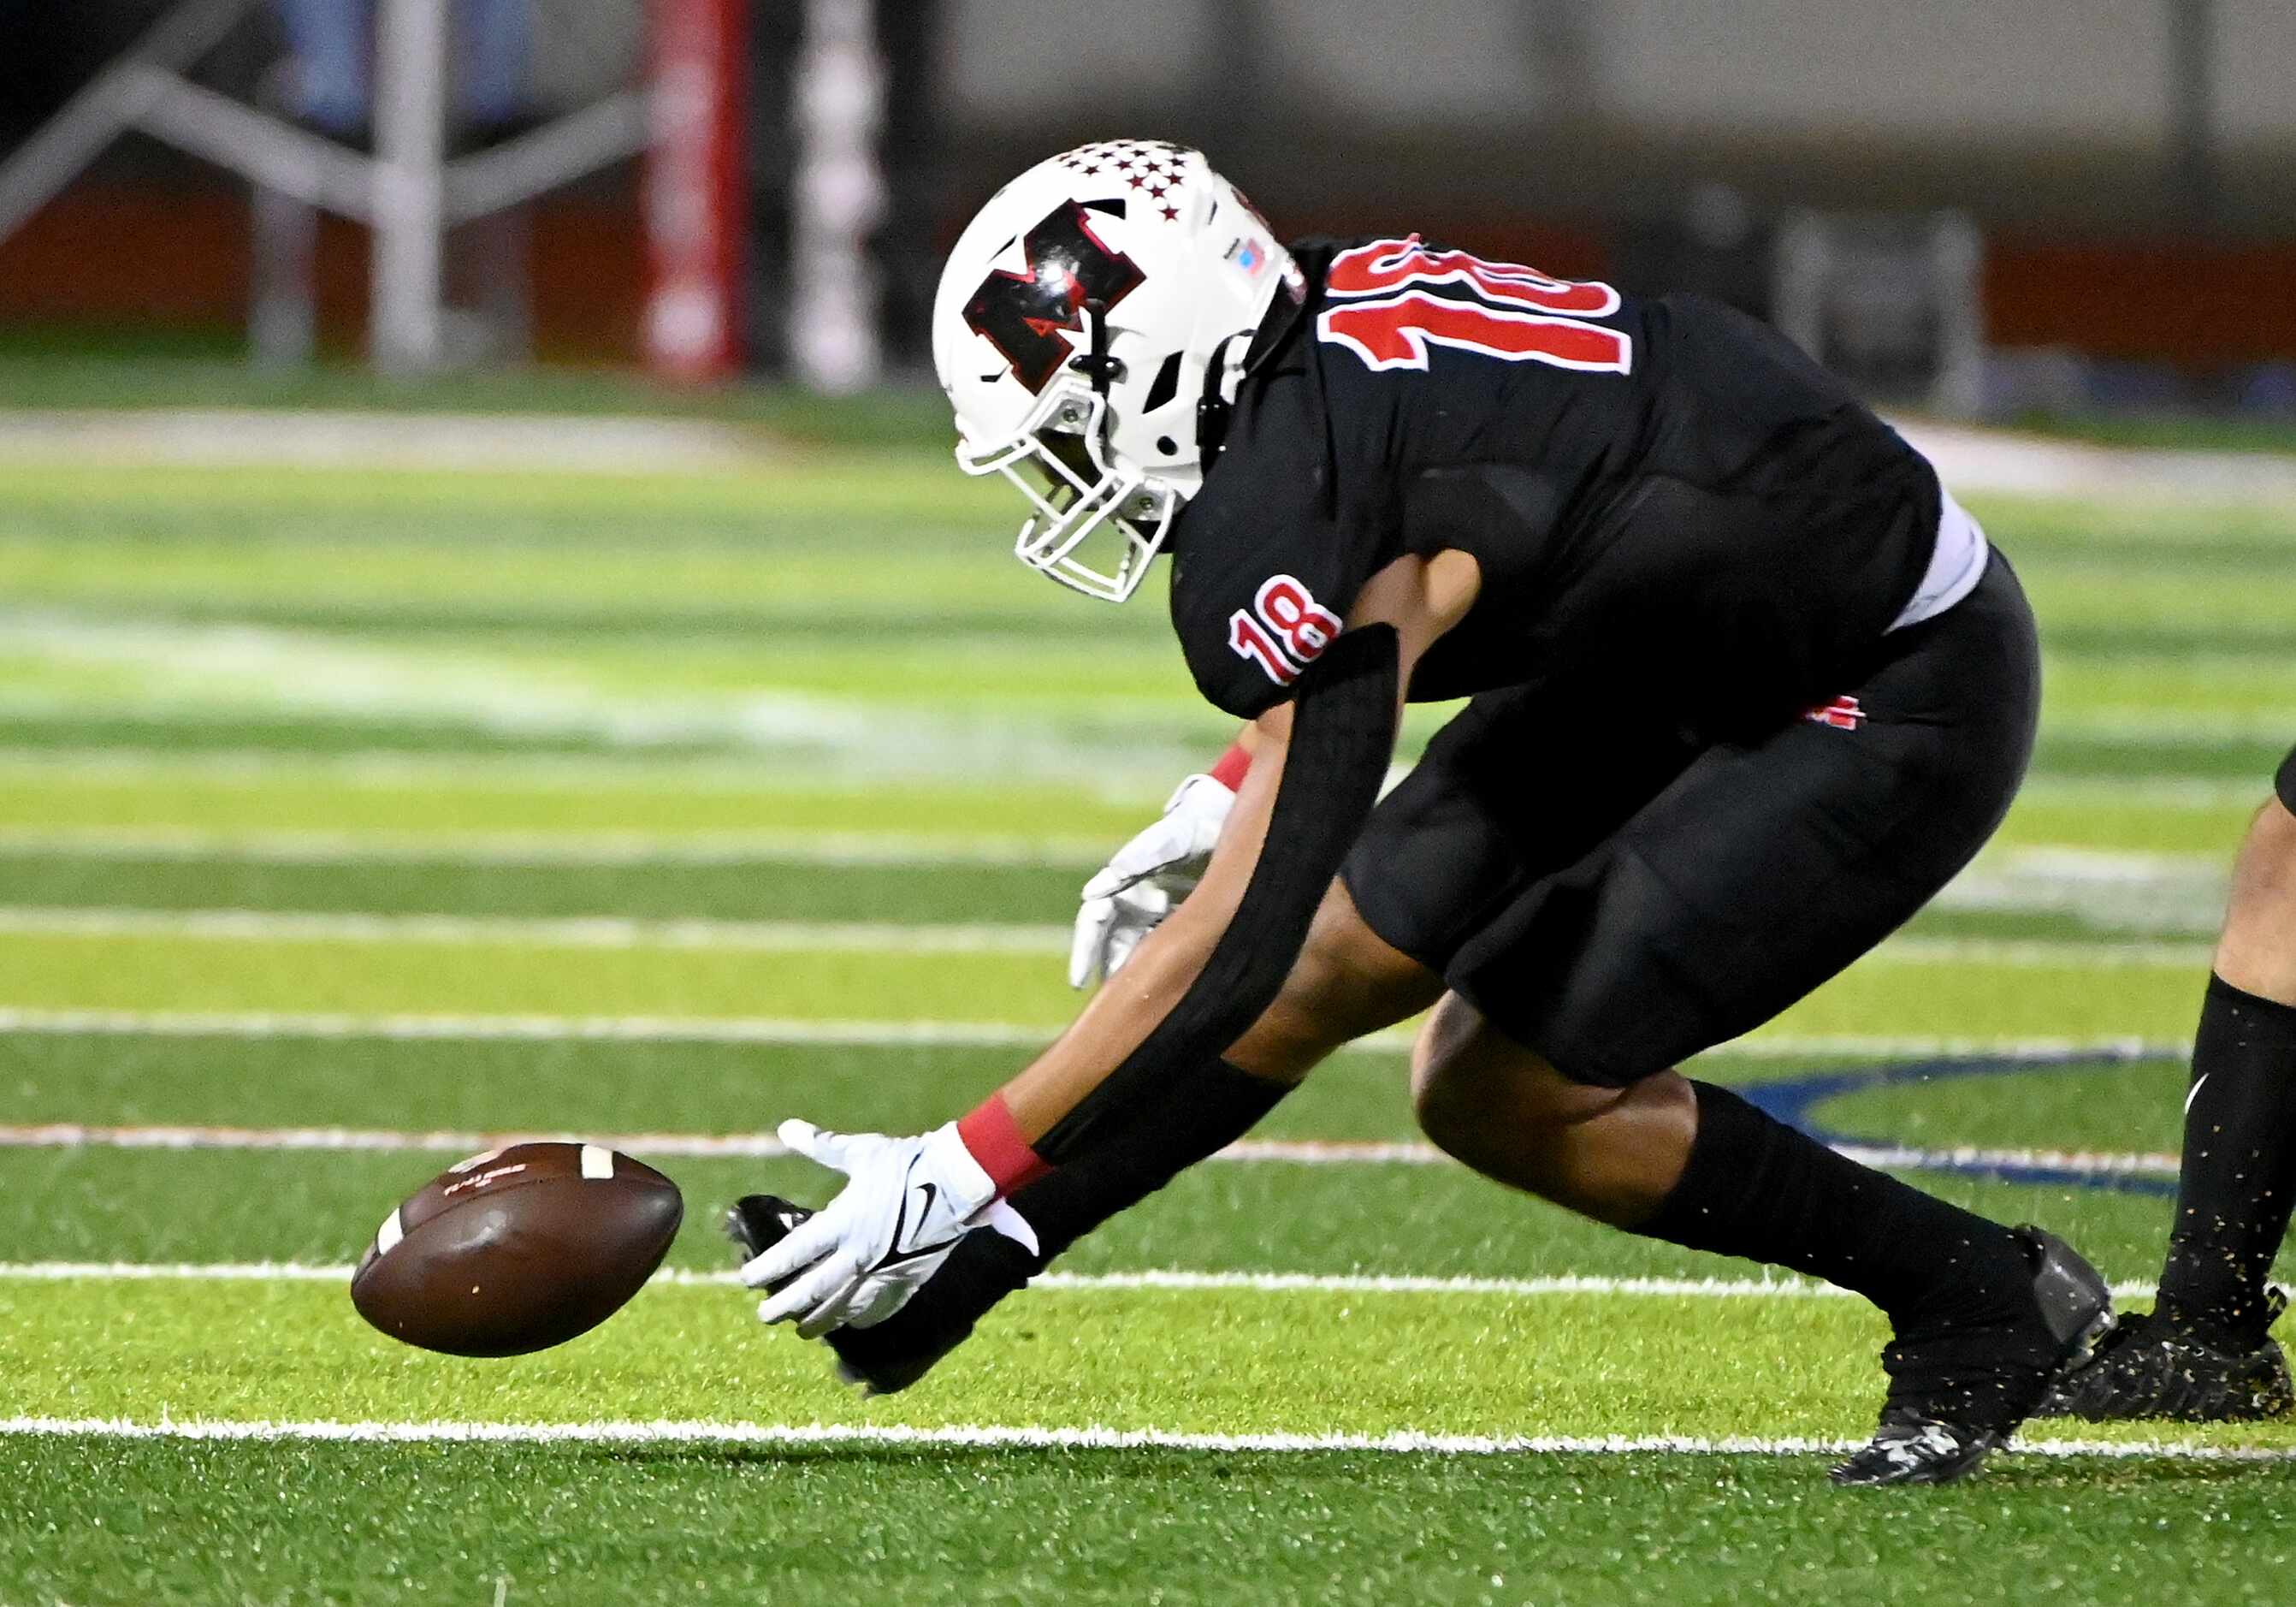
1387, 265
1377, 312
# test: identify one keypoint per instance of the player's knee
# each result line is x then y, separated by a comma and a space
2258, 951
1469, 1081
2267, 859
1443, 1095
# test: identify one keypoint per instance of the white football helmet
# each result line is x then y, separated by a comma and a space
1083, 315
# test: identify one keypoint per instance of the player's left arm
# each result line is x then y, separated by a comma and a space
1194, 987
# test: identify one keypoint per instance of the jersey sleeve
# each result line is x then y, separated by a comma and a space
1265, 567
1256, 604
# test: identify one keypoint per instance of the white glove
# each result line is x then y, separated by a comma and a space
906, 1204
1150, 874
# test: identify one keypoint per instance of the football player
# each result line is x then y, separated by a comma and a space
1747, 688
2204, 1352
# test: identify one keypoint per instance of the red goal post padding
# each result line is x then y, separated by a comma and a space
695, 188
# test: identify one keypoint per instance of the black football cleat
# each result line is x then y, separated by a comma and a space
887, 1358
1957, 1396
2194, 1371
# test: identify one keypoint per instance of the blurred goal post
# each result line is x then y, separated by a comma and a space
674, 95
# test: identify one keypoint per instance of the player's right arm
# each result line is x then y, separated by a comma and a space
1197, 984
1411, 602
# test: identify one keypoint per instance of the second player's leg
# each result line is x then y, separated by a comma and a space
2204, 1352
2258, 952
2238, 1182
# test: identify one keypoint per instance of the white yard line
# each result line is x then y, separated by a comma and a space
887, 938
926, 1033
577, 932
873, 754
290, 1272
2029, 953
555, 850
637, 1029
494, 443
991, 1437
2118, 892
1170, 1278
762, 1146
2148, 792
818, 726
670, 1146
1973, 459
1970, 459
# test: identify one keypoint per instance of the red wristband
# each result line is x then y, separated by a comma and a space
994, 1138
1232, 768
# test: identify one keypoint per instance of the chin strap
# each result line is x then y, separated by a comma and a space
1095, 365
1213, 409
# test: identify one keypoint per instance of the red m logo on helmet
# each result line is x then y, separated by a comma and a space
1022, 314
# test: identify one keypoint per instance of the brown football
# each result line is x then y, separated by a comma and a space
517, 1249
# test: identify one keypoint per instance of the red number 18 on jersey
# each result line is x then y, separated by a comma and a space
1283, 630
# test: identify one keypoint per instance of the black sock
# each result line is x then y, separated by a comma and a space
1757, 1188
1190, 1115
2239, 1173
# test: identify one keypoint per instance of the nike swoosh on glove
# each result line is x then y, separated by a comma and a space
1151, 874
905, 1203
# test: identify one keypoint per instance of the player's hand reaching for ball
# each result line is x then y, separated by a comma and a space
1150, 875
905, 1203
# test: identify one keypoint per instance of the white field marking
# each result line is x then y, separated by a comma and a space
878, 752
926, 1034
868, 751
555, 850
1170, 1279
248, 438
2027, 953
274, 668
860, 937
676, 1146
761, 1146
1968, 459
1030, 1438
2001, 462
547, 932
2151, 792
2080, 881
633, 1029
2138, 893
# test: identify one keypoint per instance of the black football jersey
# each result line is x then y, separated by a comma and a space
1668, 501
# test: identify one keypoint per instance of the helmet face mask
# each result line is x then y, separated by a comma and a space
1060, 464
1079, 322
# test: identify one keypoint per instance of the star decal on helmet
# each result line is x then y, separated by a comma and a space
1153, 166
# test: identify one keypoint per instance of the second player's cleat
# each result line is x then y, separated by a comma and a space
1958, 1395
2153, 1366
888, 1356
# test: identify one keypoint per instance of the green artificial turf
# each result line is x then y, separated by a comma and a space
298, 1526
816, 690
